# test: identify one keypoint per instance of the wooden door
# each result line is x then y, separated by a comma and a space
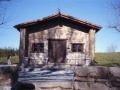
57, 51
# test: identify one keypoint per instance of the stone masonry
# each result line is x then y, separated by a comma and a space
85, 78
72, 36
96, 78
8, 76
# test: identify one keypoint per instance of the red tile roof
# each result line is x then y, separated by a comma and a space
59, 14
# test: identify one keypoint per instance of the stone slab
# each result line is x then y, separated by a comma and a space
83, 79
99, 71
90, 86
8, 76
115, 71
49, 85
47, 75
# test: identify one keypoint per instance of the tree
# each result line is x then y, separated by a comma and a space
114, 17
5, 11
4, 4
111, 48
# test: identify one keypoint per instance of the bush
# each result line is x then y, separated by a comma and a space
8, 51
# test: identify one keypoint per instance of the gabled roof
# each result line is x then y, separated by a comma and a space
59, 14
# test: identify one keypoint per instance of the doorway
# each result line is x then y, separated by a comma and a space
57, 50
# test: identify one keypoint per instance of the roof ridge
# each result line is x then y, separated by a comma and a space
59, 14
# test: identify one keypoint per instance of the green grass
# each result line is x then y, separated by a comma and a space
14, 60
102, 59
107, 59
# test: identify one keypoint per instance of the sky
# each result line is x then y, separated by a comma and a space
95, 11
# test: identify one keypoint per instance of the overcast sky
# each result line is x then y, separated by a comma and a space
95, 11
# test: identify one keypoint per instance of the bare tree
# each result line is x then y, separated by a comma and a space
111, 48
114, 17
6, 14
4, 18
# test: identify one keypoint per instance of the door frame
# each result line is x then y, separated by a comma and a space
58, 40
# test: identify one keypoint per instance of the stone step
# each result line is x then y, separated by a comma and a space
58, 88
46, 79
49, 85
46, 75
48, 66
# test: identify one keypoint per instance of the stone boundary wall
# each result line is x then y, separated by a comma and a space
85, 78
96, 78
8, 76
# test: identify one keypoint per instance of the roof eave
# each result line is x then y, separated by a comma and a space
92, 25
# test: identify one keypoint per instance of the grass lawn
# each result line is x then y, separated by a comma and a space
107, 59
14, 60
102, 59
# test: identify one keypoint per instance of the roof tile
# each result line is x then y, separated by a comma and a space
59, 14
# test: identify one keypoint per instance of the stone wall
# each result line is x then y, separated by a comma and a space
85, 78
72, 35
8, 76
96, 78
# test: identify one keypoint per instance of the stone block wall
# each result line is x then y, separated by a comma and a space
96, 78
70, 34
8, 76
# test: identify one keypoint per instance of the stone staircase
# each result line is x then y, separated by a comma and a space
54, 78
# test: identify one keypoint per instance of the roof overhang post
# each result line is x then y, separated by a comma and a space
92, 45
22, 46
